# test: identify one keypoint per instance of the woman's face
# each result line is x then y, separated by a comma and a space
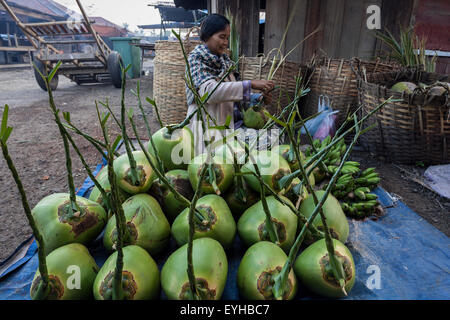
218, 42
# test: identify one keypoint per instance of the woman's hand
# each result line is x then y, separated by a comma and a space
267, 97
263, 85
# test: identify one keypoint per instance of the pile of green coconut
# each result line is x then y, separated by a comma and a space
436, 89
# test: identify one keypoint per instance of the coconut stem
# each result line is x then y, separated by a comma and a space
190, 267
44, 288
119, 214
119, 123
73, 203
171, 128
239, 179
89, 171
96, 143
149, 131
269, 223
120, 225
273, 234
133, 170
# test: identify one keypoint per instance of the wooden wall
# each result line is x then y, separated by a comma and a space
247, 17
343, 31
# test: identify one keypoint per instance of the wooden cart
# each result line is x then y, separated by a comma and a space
90, 60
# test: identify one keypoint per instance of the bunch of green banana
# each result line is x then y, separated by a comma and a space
368, 178
350, 167
333, 156
353, 189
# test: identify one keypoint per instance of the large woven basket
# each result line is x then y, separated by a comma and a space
337, 79
416, 129
169, 90
257, 68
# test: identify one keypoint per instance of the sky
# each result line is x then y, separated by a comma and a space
133, 12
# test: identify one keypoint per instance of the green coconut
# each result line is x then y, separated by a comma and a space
218, 222
71, 270
252, 226
312, 268
225, 152
284, 151
175, 149
58, 227
210, 268
146, 223
235, 200
96, 195
145, 173
170, 204
334, 215
261, 263
140, 276
255, 118
223, 172
272, 167
404, 86
297, 189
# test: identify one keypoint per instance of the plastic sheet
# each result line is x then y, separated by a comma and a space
439, 179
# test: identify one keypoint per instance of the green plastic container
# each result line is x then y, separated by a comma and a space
130, 54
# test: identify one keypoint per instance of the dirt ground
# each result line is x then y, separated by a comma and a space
38, 153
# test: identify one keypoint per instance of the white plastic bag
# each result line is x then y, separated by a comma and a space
324, 124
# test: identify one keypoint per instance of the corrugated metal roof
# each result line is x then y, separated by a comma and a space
103, 22
48, 7
174, 14
192, 4
107, 31
107, 28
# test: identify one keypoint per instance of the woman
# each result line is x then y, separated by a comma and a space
208, 63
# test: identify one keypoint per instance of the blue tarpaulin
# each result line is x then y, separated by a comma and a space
399, 256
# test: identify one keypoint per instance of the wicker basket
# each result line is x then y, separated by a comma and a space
337, 79
417, 129
257, 68
169, 88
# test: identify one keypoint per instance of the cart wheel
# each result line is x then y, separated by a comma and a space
40, 81
115, 64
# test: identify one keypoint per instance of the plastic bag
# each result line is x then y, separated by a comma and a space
327, 127
324, 124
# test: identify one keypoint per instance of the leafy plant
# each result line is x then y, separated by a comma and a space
409, 50
234, 38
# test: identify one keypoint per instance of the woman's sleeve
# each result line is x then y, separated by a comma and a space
226, 91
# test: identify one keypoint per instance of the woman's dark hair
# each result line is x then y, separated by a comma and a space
211, 25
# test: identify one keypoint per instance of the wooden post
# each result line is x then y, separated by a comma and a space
7, 33
277, 15
333, 24
366, 46
313, 21
213, 6
247, 19
246, 13
297, 30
